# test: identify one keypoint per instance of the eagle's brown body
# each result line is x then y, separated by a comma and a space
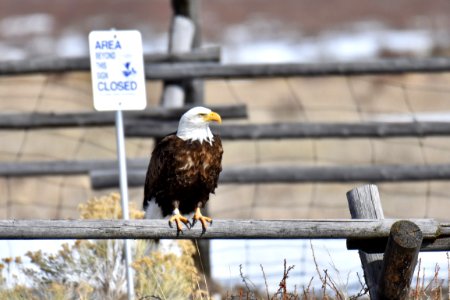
182, 170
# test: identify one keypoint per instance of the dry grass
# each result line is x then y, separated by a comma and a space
430, 289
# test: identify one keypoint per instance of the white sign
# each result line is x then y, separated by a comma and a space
117, 68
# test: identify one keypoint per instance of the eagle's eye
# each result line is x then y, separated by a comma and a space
202, 114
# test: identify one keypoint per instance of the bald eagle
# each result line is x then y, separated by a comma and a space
184, 169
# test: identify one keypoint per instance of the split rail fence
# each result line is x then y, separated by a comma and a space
400, 241
368, 231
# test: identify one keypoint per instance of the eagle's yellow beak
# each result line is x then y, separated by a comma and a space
213, 116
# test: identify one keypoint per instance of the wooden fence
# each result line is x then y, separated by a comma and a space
400, 240
220, 229
198, 65
104, 173
368, 231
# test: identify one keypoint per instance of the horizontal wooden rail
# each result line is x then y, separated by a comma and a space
54, 168
220, 229
104, 172
156, 122
57, 65
302, 130
378, 245
107, 178
157, 69
147, 124
220, 71
155, 114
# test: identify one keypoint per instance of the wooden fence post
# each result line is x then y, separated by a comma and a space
400, 259
364, 203
180, 40
191, 10
184, 36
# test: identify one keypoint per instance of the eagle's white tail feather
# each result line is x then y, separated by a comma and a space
153, 211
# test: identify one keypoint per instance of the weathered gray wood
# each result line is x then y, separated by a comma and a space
104, 173
173, 95
142, 124
203, 54
56, 65
190, 9
85, 119
107, 178
400, 259
379, 245
219, 71
305, 130
364, 203
220, 229
52, 168
442, 244
176, 71
375, 173
181, 36
200, 54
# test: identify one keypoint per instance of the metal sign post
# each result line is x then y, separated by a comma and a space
124, 198
118, 83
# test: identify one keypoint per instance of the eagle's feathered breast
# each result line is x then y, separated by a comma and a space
183, 170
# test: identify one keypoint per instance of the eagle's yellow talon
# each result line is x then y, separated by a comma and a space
199, 217
179, 221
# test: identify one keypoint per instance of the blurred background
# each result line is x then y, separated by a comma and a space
253, 31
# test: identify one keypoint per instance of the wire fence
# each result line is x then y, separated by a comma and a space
337, 99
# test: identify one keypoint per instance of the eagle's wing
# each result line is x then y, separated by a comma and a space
216, 161
158, 167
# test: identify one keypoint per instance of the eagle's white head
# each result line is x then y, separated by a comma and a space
194, 124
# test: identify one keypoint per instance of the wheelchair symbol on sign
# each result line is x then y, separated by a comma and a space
129, 70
